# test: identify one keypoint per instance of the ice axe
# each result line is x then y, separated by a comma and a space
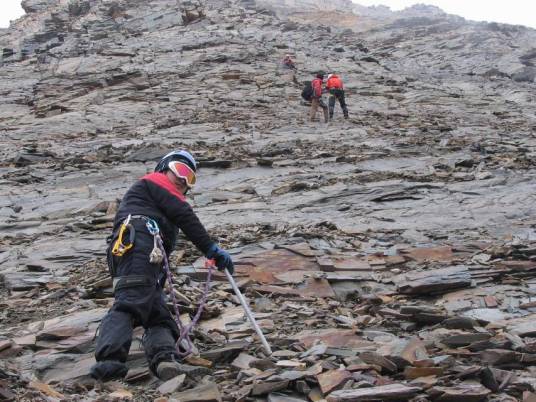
245, 306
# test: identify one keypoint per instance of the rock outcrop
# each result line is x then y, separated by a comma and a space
390, 255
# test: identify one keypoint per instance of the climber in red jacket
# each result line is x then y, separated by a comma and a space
336, 91
317, 100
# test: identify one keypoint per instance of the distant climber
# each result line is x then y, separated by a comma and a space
145, 227
336, 91
316, 99
288, 63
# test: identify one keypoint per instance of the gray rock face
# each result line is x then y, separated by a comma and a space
526, 74
416, 210
34, 6
286, 6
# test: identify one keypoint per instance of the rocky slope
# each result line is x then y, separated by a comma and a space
401, 239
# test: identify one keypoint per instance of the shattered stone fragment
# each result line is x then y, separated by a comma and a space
412, 373
277, 397
435, 281
465, 339
332, 380
226, 353
137, 374
464, 392
378, 360
497, 357
387, 256
207, 392
45, 389
404, 352
394, 392
443, 253
243, 361
265, 387
5, 344
121, 394
331, 337
172, 385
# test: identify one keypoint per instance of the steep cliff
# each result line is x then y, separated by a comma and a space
374, 250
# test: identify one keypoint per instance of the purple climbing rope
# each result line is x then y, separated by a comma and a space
184, 330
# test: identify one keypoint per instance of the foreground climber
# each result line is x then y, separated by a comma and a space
158, 201
336, 92
316, 99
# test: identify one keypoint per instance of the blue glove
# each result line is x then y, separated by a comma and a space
222, 258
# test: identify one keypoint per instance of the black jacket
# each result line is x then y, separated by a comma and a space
154, 196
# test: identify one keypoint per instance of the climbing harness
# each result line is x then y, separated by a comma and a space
157, 253
184, 345
131, 281
120, 248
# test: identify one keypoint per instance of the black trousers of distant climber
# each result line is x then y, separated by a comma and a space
339, 95
141, 304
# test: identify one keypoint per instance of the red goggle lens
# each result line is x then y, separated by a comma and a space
183, 171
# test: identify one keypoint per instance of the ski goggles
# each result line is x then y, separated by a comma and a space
183, 171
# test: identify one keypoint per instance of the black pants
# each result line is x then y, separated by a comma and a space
139, 305
339, 95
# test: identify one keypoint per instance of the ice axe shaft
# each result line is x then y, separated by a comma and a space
210, 263
248, 312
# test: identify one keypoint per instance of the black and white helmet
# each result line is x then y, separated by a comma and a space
182, 155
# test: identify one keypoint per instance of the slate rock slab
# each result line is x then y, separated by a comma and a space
434, 281
390, 392
172, 385
276, 397
18, 281
208, 392
463, 392
226, 353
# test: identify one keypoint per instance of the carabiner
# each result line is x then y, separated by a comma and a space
152, 226
120, 248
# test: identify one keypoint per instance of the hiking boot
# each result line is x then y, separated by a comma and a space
168, 370
107, 370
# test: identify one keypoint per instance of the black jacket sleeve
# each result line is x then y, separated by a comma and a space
182, 215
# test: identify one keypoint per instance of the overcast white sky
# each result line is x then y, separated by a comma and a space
521, 12
508, 11
9, 10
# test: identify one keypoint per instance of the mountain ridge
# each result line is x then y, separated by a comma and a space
408, 226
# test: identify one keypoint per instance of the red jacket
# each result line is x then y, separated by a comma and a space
334, 82
317, 87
